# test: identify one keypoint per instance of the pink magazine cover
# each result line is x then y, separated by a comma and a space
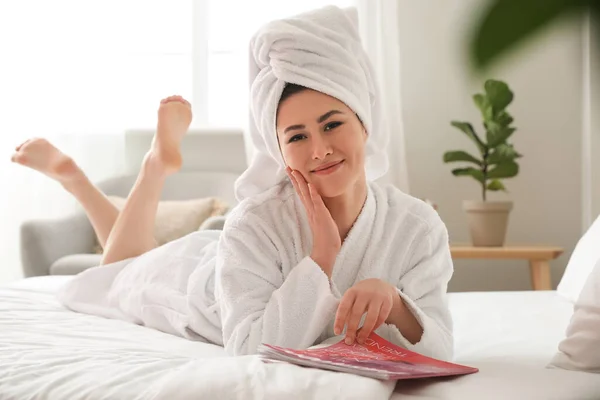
375, 358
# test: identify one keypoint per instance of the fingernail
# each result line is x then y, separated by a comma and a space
360, 340
348, 341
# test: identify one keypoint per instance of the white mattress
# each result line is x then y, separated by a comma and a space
47, 352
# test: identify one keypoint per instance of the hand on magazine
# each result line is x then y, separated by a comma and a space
373, 296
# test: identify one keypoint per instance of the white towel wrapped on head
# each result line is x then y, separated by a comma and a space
320, 50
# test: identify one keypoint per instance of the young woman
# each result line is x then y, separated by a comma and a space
314, 249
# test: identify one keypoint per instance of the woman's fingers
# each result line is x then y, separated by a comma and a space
373, 317
343, 311
358, 309
302, 185
386, 309
302, 189
317, 200
295, 183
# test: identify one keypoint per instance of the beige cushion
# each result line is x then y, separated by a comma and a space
177, 218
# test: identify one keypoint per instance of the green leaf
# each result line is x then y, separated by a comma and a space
459, 155
495, 139
507, 23
503, 152
468, 129
496, 185
492, 126
475, 173
505, 169
503, 118
498, 94
484, 106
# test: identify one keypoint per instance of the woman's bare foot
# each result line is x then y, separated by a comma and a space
174, 118
40, 155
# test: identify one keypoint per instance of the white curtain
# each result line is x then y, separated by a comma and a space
379, 31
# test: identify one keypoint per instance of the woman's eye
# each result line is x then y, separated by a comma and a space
296, 138
332, 125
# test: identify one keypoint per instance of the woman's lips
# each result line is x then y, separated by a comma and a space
328, 168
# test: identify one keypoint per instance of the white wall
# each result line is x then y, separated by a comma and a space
437, 86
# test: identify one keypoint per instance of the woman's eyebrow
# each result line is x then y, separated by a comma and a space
327, 115
322, 118
293, 127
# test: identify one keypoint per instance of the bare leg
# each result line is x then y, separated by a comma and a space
42, 156
133, 232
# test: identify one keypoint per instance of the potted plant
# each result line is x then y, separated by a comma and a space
496, 161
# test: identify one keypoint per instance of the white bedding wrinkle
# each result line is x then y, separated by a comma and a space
49, 352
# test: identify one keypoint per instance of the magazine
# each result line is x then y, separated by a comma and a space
376, 358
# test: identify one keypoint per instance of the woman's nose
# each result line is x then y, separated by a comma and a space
321, 147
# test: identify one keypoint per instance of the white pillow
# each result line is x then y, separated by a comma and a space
581, 263
580, 350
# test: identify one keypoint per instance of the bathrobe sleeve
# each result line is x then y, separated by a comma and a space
423, 289
257, 304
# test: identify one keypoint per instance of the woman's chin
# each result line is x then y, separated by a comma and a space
331, 187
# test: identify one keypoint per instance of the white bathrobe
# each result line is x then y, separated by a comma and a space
255, 282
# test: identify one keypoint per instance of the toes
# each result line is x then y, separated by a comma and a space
181, 99
22, 144
18, 158
167, 99
174, 98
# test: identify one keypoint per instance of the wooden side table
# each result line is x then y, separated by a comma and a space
538, 257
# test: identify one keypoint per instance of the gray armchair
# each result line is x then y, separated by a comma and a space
65, 246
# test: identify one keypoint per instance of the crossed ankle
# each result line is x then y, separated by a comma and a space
75, 182
154, 165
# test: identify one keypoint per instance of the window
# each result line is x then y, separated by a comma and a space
101, 66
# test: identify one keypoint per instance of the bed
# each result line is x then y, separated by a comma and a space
49, 352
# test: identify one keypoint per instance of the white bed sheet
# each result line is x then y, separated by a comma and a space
47, 352
510, 337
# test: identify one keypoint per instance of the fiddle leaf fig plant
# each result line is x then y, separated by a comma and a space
496, 158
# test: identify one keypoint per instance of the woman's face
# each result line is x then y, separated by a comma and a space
323, 139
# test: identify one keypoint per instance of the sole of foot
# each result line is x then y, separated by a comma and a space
40, 155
